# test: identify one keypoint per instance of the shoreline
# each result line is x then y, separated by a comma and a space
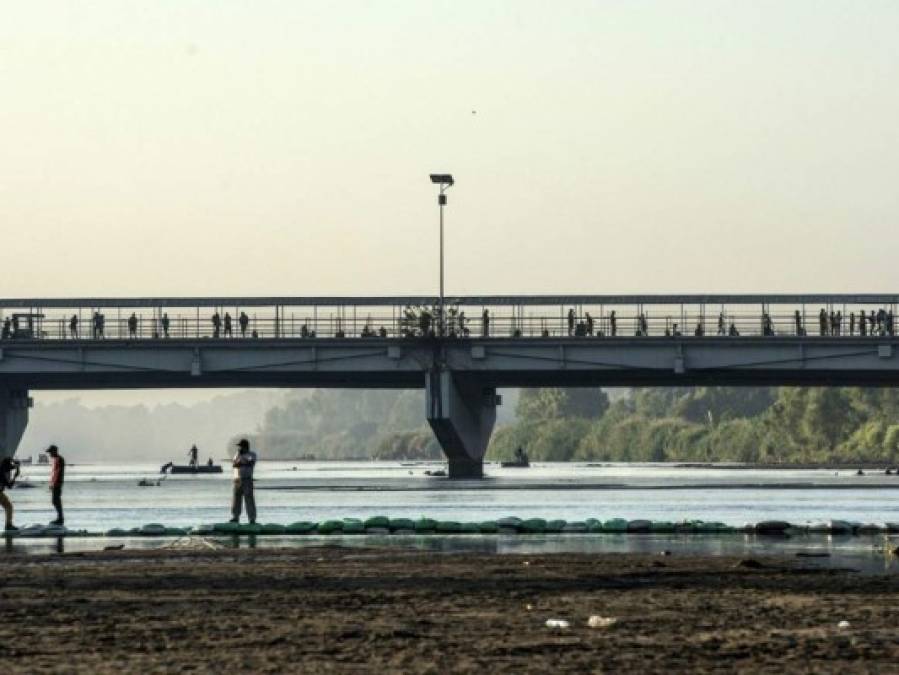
332, 610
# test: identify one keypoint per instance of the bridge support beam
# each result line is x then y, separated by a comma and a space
14, 405
462, 412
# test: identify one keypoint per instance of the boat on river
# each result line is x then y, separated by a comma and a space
172, 468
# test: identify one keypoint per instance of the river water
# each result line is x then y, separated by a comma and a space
99, 497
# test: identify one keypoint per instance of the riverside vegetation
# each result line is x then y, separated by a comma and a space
701, 424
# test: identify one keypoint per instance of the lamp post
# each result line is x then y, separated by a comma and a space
445, 181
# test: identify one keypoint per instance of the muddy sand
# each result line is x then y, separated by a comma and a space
335, 610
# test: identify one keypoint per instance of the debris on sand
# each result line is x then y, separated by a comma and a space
597, 621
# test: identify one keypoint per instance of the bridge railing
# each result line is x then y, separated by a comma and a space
529, 318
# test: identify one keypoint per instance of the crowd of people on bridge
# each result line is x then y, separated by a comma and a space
424, 321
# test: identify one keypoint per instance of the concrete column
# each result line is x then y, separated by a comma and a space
462, 412
14, 407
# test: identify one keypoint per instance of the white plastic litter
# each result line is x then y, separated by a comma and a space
557, 623
843, 624
597, 621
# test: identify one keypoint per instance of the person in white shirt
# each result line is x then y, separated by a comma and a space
244, 462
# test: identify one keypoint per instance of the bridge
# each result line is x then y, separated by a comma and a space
460, 357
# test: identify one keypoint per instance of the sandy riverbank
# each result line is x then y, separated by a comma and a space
336, 610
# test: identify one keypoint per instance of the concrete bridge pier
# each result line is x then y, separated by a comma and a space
14, 405
462, 412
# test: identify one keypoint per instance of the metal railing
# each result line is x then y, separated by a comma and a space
481, 316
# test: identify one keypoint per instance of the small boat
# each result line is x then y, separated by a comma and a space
173, 468
520, 461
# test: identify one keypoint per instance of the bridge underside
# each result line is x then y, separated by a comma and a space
460, 375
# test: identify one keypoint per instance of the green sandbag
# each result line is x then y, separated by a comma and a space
449, 526
117, 532
555, 526
377, 530
685, 526
532, 526
153, 529
353, 526
377, 521
175, 532
204, 528
402, 524
615, 525
575, 527
425, 525
594, 525
300, 527
661, 526
226, 528
489, 527
249, 528
330, 526
273, 528
509, 521
471, 528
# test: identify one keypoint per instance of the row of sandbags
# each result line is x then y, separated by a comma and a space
509, 525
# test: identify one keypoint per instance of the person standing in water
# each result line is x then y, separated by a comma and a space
244, 462
57, 478
9, 471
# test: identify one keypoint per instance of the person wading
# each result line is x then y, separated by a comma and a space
9, 471
57, 478
244, 463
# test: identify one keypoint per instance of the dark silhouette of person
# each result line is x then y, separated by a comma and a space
216, 324
192, 455
165, 324
699, 331
838, 326
721, 329
822, 321
862, 324
797, 319
732, 330
382, 332
588, 323
485, 323
851, 323
7, 329
244, 321
132, 325
872, 322
73, 326
228, 332
570, 322
100, 325
613, 324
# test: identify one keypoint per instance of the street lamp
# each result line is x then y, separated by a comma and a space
445, 181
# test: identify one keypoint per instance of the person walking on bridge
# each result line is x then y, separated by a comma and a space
165, 324
244, 321
485, 323
570, 322
57, 478
9, 471
73, 326
216, 324
132, 325
244, 462
228, 331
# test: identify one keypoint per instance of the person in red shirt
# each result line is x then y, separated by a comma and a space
57, 478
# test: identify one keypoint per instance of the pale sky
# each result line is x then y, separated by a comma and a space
255, 148
223, 147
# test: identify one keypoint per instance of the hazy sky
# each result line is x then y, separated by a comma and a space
217, 147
